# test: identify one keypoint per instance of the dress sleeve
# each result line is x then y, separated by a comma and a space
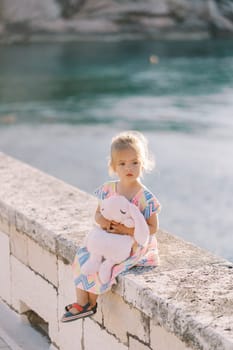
152, 206
102, 191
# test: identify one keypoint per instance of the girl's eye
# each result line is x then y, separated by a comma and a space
135, 163
122, 164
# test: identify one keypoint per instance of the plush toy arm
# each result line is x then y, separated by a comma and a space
141, 231
105, 270
128, 222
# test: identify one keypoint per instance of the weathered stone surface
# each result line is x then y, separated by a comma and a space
36, 293
59, 225
100, 338
114, 310
166, 339
5, 274
190, 294
35, 20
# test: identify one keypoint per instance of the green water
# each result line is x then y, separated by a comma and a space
84, 82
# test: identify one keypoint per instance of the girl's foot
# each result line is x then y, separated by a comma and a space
69, 306
76, 311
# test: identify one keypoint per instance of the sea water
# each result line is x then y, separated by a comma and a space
61, 103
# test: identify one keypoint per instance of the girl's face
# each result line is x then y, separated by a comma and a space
126, 164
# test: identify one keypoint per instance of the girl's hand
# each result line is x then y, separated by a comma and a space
116, 227
106, 224
121, 229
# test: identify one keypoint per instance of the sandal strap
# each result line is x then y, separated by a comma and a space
94, 308
79, 307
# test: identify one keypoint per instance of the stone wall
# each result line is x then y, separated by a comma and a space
185, 303
25, 20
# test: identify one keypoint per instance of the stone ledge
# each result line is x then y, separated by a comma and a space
189, 295
195, 304
54, 214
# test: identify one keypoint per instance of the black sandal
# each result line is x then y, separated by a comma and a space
83, 311
69, 306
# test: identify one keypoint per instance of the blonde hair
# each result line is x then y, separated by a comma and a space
133, 140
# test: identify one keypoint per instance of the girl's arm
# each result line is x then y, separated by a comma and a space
121, 229
104, 223
152, 222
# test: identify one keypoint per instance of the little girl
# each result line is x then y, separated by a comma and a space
129, 157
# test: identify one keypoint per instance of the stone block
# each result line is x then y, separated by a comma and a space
43, 262
135, 344
66, 285
40, 296
136, 294
5, 273
19, 245
4, 226
95, 337
163, 340
131, 292
99, 317
122, 319
5, 217
71, 335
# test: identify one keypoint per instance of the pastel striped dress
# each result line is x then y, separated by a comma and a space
140, 256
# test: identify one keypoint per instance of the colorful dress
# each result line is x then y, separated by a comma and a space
140, 256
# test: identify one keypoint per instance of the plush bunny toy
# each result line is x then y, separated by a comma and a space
107, 249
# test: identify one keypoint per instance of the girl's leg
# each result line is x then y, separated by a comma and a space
92, 299
85, 306
82, 297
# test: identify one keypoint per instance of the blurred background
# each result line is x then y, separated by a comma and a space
61, 101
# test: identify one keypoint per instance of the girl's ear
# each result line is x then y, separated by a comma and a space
111, 167
141, 229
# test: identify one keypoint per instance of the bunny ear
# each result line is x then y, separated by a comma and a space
141, 230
